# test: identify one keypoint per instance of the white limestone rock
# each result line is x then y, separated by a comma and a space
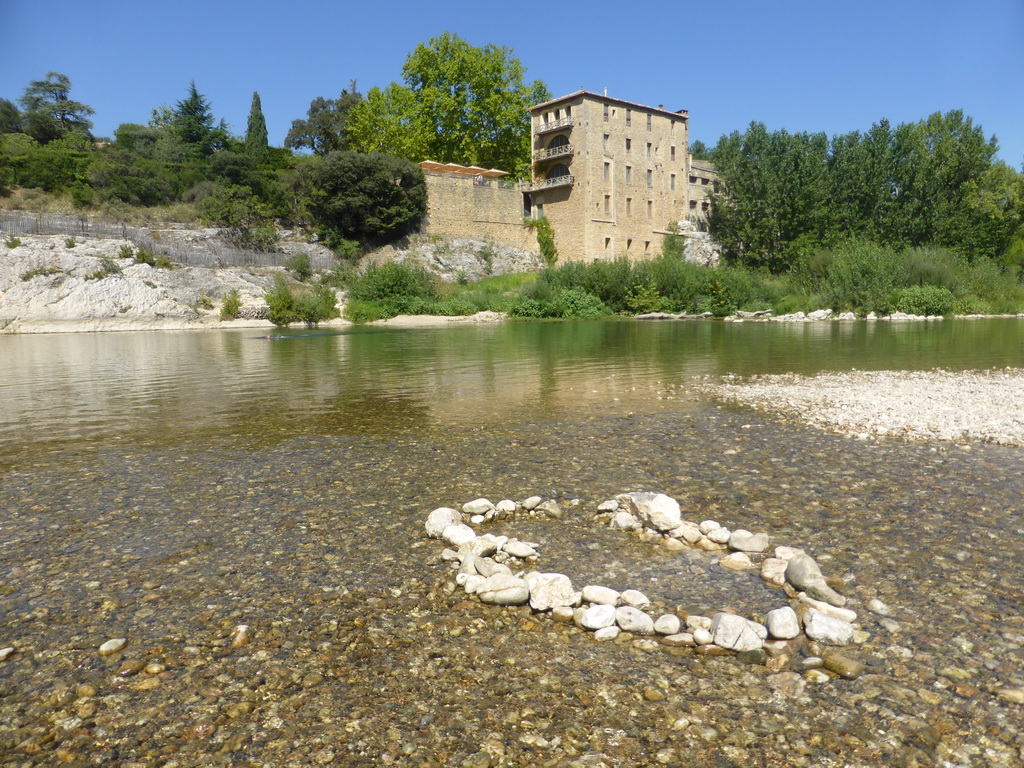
623, 521
600, 595
828, 629
702, 636
654, 510
773, 570
607, 633
719, 535
736, 633
788, 553
688, 532
634, 620
532, 503
667, 624
520, 549
506, 505
634, 598
440, 519
597, 617
113, 646
744, 541
549, 590
737, 561
503, 589
477, 507
783, 623
828, 609
805, 576
611, 505
458, 534
707, 526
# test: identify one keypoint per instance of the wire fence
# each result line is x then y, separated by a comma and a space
207, 254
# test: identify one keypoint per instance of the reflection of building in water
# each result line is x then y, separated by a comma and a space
609, 175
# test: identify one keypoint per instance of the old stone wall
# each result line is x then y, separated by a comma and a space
481, 209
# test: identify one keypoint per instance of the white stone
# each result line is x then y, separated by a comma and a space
688, 532
634, 598
773, 570
598, 617
702, 636
607, 633
788, 553
654, 510
477, 507
503, 589
623, 521
458, 534
481, 546
828, 629
6, 652
719, 535
487, 567
519, 549
600, 595
829, 610
113, 646
783, 623
667, 624
471, 582
745, 541
563, 613
611, 505
698, 622
877, 606
706, 526
736, 633
532, 502
548, 590
506, 505
737, 561
477, 519
679, 640
634, 620
673, 545
440, 519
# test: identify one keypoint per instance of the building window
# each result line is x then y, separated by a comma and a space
693, 205
607, 204
650, 209
650, 178
705, 206
648, 150
557, 171
693, 179
607, 243
538, 211
705, 182
629, 206
671, 182
561, 140
606, 113
568, 111
607, 171
672, 153
629, 117
647, 246
672, 128
648, 122
629, 174
629, 145
606, 143
629, 242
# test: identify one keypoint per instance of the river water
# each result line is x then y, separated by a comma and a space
167, 487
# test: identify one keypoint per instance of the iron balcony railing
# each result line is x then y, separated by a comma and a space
555, 181
551, 152
554, 125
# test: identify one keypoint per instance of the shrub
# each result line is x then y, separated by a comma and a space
310, 307
12, 242
545, 239
577, 303
40, 271
126, 252
230, 305
300, 265
532, 308
455, 306
360, 311
162, 262
69, 242
392, 281
107, 267
142, 256
924, 300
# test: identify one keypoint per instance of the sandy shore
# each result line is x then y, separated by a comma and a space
968, 406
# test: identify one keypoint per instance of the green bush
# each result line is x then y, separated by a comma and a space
69, 242
577, 303
40, 271
924, 300
12, 242
126, 252
456, 306
311, 306
545, 239
361, 311
142, 256
230, 305
107, 267
532, 308
300, 265
393, 281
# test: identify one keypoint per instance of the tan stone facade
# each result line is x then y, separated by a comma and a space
610, 175
477, 207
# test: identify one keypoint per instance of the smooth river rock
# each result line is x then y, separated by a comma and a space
745, 541
503, 589
736, 633
440, 519
828, 629
805, 576
783, 623
549, 590
458, 534
600, 595
655, 510
597, 617
634, 620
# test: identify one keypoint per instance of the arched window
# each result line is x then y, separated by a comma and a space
561, 140
558, 170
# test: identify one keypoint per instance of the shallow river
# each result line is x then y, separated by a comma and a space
166, 487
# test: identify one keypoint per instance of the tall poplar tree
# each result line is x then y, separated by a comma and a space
256, 142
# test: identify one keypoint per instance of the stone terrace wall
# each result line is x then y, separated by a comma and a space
459, 206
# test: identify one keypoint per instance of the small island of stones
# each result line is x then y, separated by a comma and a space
813, 617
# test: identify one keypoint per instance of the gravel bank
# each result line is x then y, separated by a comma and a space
960, 406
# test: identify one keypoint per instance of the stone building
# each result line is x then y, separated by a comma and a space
611, 175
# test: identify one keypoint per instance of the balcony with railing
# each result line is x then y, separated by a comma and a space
554, 125
566, 180
564, 150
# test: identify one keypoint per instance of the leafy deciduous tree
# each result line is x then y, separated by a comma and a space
326, 123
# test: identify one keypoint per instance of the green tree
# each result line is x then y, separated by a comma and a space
194, 125
11, 120
326, 123
50, 113
256, 142
460, 104
364, 197
699, 150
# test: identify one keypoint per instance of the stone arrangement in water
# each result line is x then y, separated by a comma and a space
498, 570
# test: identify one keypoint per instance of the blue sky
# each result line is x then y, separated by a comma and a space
801, 65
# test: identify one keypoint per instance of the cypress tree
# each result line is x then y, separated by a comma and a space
256, 142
